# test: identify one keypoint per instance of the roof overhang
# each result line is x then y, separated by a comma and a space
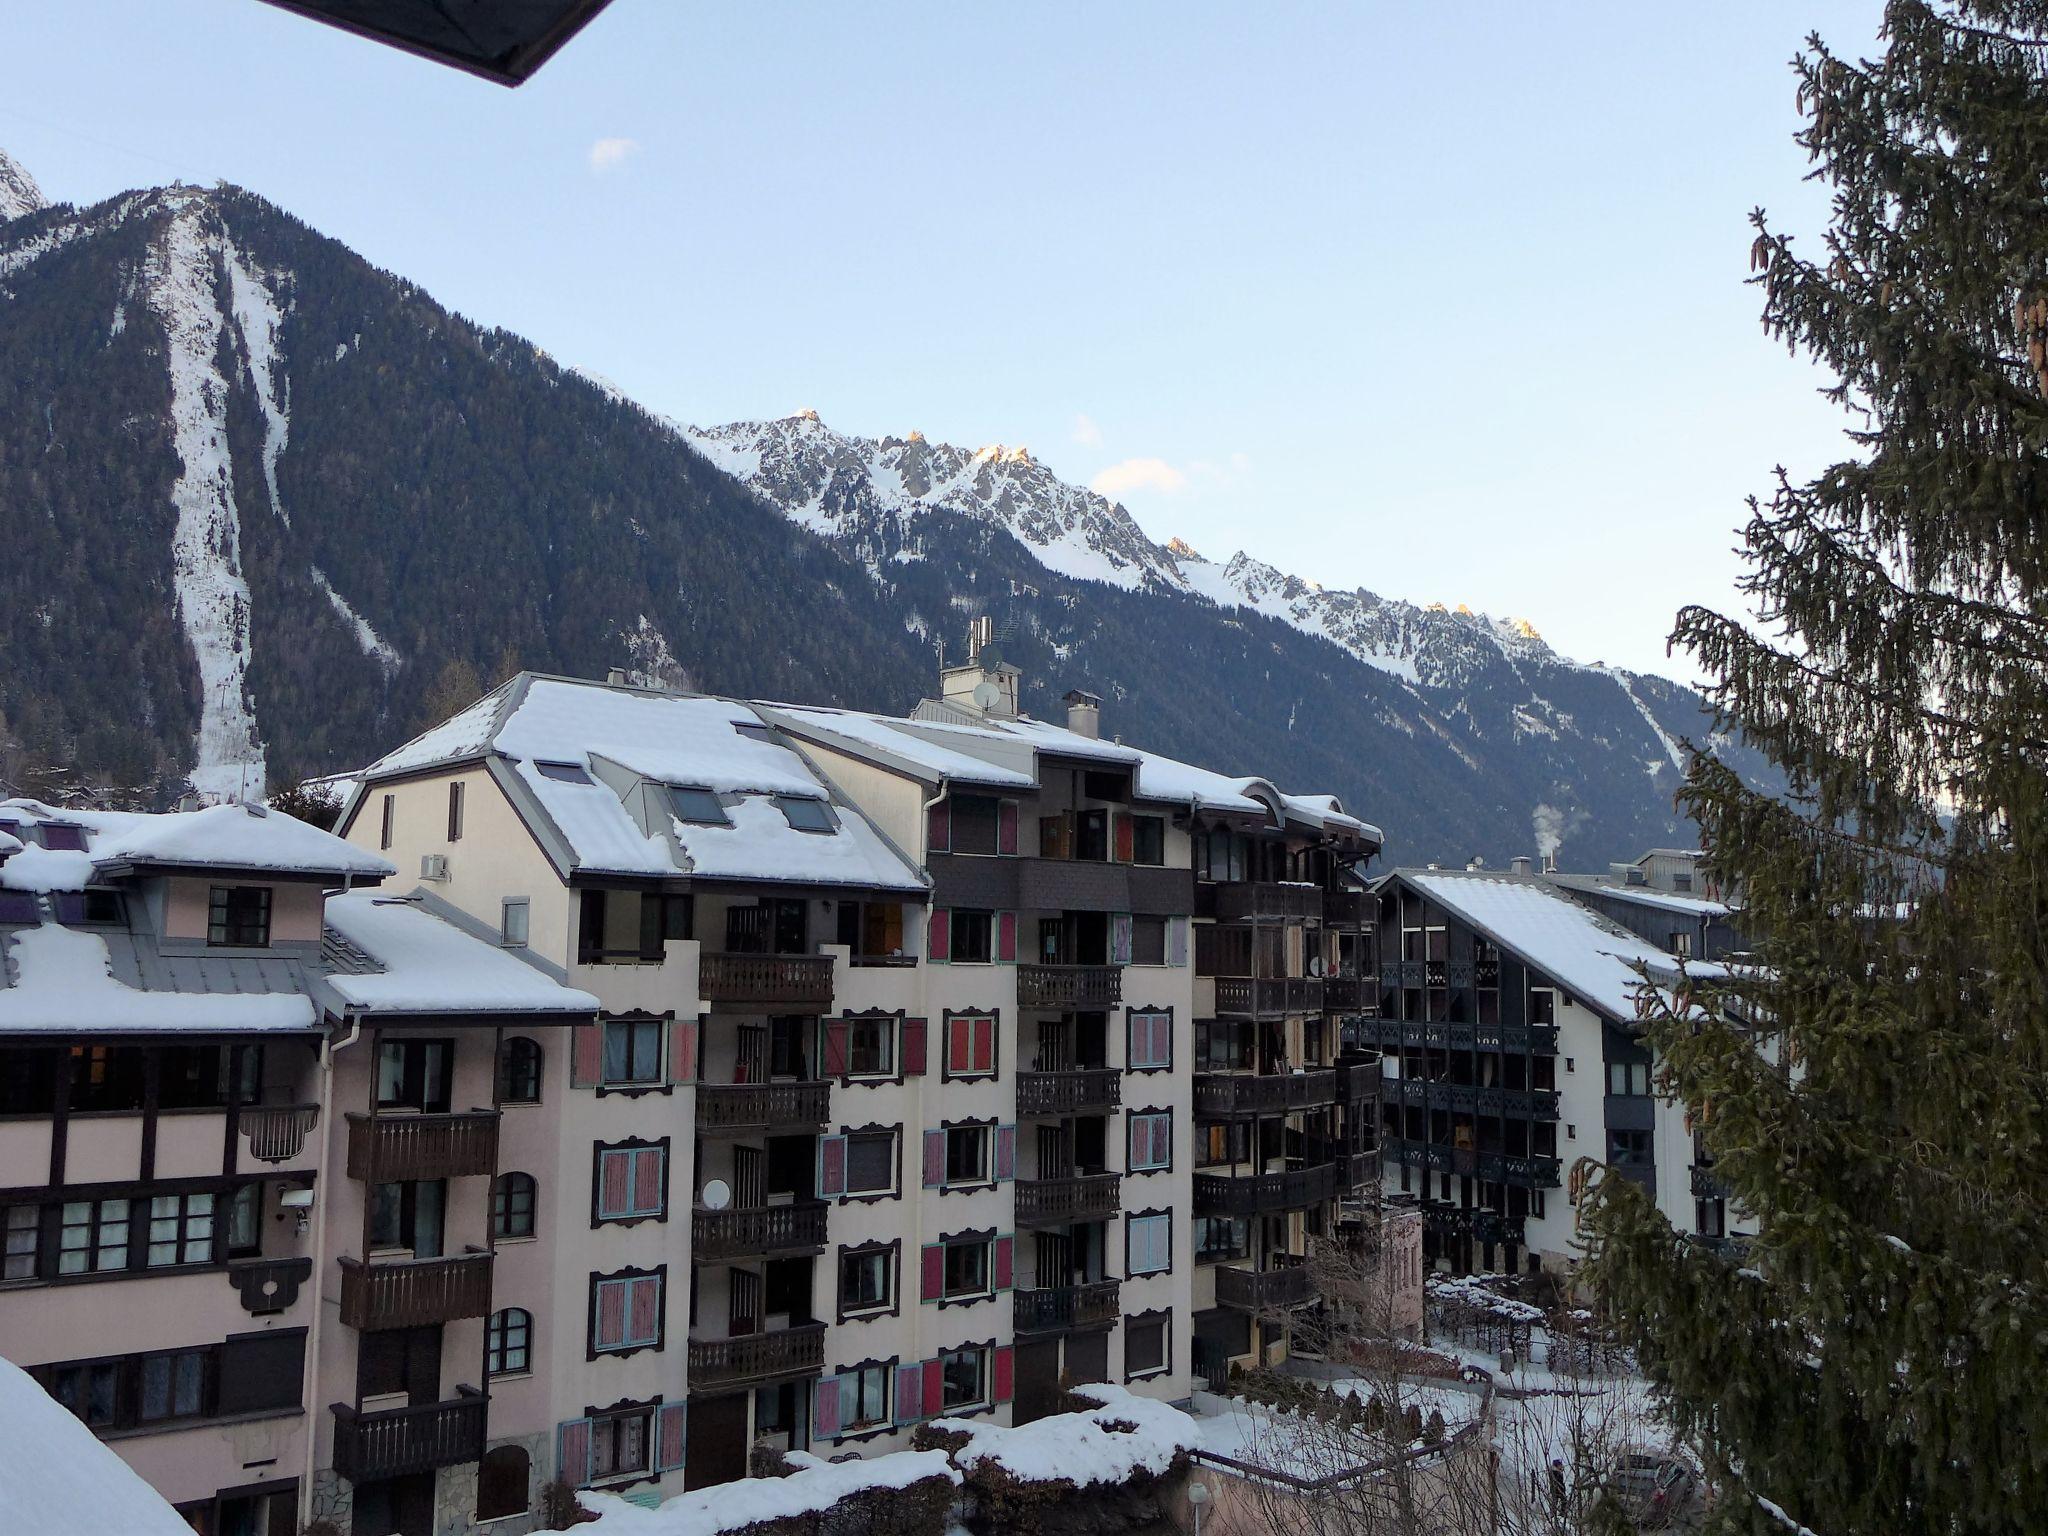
501, 40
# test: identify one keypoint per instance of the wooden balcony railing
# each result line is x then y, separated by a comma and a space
1268, 901
1079, 1197
276, 1133
1069, 986
1475, 1222
1472, 1099
1365, 1170
794, 983
1359, 1083
1349, 909
385, 1149
755, 1357
408, 1293
1271, 1290
393, 1442
1267, 997
1249, 1194
757, 1231
1057, 1308
1066, 1093
1349, 993
1706, 1184
760, 1106
1242, 1093
1524, 1169
1392, 1034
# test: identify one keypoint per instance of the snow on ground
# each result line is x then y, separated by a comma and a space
1283, 1441
367, 639
57, 1479
729, 1507
1083, 1448
257, 318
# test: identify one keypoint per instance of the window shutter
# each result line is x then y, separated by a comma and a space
909, 1393
1176, 941
934, 1271
644, 1323
647, 1195
959, 1045
652, 932
1006, 1152
1006, 826
1162, 1141
1135, 1041
670, 1436
934, 1386
1005, 1369
938, 930
682, 1050
984, 1044
934, 1159
825, 1408
611, 1314
1005, 1248
913, 1047
1006, 937
1120, 938
586, 1069
939, 827
572, 1452
1123, 836
835, 1048
614, 1184
831, 1167
1162, 1039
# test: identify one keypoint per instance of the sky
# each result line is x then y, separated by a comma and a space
1446, 302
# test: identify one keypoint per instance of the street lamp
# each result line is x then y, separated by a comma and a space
1198, 1495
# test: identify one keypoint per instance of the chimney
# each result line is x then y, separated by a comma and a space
1084, 714
1550, 862
616, 677
987, 684
1522, 864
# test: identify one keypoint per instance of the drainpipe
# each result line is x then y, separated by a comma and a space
325, 1098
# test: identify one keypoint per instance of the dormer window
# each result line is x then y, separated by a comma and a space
698, 807
563, 773
19, 907
239, 916
88, 908
753, 730
805, 815
62, 837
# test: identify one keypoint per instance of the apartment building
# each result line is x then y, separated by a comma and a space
230, 1172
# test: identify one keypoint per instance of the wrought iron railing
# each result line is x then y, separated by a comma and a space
276, 1133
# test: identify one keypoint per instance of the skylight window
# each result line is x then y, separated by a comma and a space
698, 807
805, 815
563, 773
63, 837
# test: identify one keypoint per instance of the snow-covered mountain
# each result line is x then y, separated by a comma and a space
19, 194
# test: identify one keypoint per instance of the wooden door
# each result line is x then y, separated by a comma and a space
1038, 1380
749, 1189
743, 1305
716, 1447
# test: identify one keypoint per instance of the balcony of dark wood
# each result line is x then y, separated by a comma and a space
1350, 909
1249, 1194
1221, 1094
1706, 1184
276, 1133
1060, 1308
757, 1357
759, 1231
1526, 1170
1475, 1222
1350, 994
393, 1442
1359, 1082
1442, 1035
732, 1108
408, 1293
1258, 1291
1078, 1197
1069, 986
1473, 1099
1365, 1170
1267, 997
1268, 901
385, 1149
1072, 1092
766, 983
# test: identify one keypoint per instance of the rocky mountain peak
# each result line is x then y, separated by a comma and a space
19, 194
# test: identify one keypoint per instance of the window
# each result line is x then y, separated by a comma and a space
1628, 1078
174, 1386
208, 1076
632, 1050
62, 837
972, 937
93, 1237
513, 1197
563, 773
1150, 1044
1148, 940
1710, 1217
805, 815
413, 1074
630, 1182
1629, 1149
19, 907
625, 1312
1151, 1148
502, 1482
245, 1216
106, 1077
1147, 1350
1681, 944
87, 908
239, 915
1542, 1006
1148, 1243
970, 1045
966, 1270
871, 1045
1148, 842
975, 823
871, 1163
967, 1154
864, 1398
407, 1215
867, 1279
963, 1378
91, 1391
18, 1242
1681, 881
697, 807
620, 1443
455, 812
521, 1073
390, 817
1223, 1237
515, 921
508, 1341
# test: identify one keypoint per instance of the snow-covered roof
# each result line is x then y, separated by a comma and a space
58, 1479
913, 744
1643, 895
240, 837
61, 980
425, 964
1593, 959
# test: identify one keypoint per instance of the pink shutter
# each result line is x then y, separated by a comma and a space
1006, 1152
835, 1048
1162, 1140
616, 1197
670, 1437
1006, 826
1004, 1246
909, 1393
934, 1386
586, 1070
1120, 938
825, 1408
831, 1167
611, 1313
646, 1310
959, 1045
1006, 937
934, 1271
984, 1044
1005, 1368
938, 930
939, 827
647, 1180
682, 1050
572, 1452
1162, 1039
913, 1047
934, 1159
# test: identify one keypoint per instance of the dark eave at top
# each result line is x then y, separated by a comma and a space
504, 41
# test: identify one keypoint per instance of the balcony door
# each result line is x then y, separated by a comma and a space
749, 1191
408, 1217
407, 1360
743, 1304
1055, 1153
750, 1054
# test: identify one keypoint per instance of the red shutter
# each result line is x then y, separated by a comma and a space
1004, 1368
1122, 821
611, 1313
615, 1196
572, 1452
913, 1047
831, 1167
670, 1437
835, 1048
1004, 1246
586, 1070
1006, 1152
934, 1271
938, 929
682, 1050
646, 1310
934, 1159
939, 827
1006, 826
984, 1044
825, 1408
959, 1045
909, 1393
934, 1386
1006, 937
647, 1179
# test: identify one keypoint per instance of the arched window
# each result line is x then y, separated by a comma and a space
502, 1480
508, 1341
513, 1198
519, 1071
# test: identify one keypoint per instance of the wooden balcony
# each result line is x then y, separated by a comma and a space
1524, 1169
735, 1107
1350, 909
1393, 1034
1476, 1222
1069, 986
393, 1442
1359, 1083
407, 1293
384, 1149
1061, 1308
766, 983
1349, 994
1079, 1197
753, 1232
1248, 1194
1067, 1093
1706, 1184
1222, 1094
1267, 997
1271, 1290
1471, 1099
1268, 901
276, 1133
757, 1357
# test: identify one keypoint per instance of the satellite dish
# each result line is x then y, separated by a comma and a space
991, 656
1316, 966
986, 696
717, 1195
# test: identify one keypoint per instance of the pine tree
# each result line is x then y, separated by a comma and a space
1873, 1361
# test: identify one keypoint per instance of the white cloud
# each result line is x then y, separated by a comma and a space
1138, 475
610, 154
1086, 432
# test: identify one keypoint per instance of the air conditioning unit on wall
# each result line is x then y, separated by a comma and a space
433, 866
